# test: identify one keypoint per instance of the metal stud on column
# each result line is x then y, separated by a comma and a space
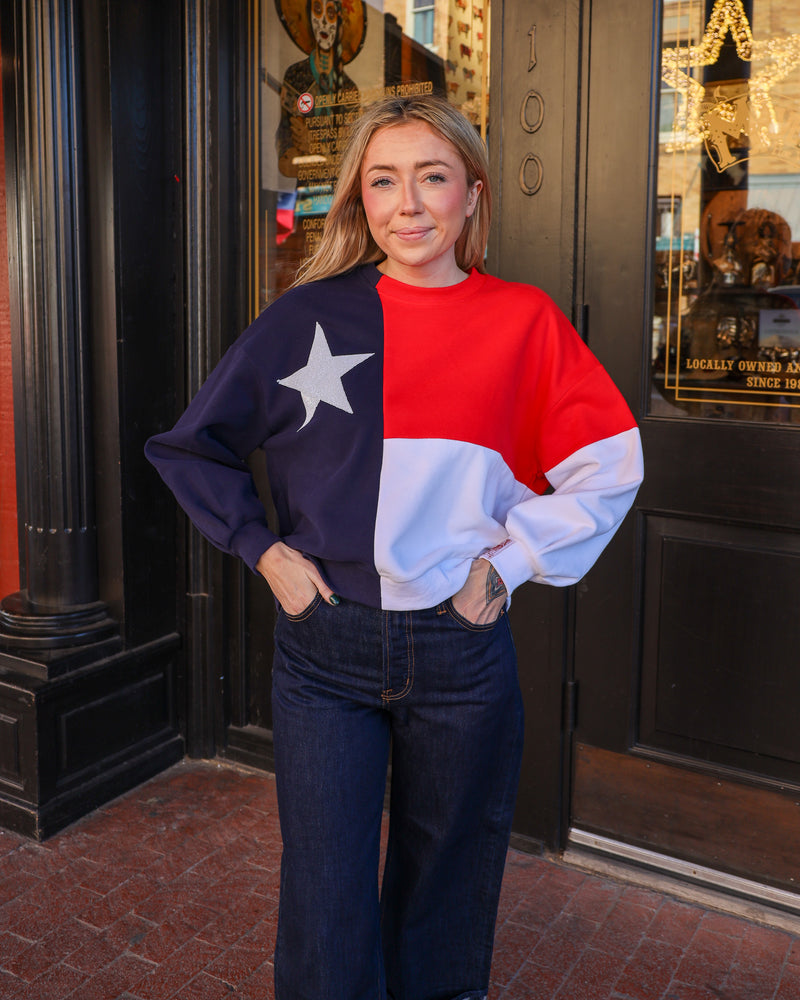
59, 605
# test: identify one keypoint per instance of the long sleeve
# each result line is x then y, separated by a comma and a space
202, 459
556, 538
590, 462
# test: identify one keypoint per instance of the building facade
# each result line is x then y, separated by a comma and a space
169, 164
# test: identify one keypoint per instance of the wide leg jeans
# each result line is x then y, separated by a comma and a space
353, 685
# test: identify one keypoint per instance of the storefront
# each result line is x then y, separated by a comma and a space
168, 167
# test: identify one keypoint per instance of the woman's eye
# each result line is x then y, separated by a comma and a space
380, 182
436, 178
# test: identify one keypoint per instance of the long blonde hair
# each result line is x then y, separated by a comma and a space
346, 240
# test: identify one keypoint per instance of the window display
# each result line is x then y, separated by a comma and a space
726, 325
314, 64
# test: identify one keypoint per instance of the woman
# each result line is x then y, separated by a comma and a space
415, 413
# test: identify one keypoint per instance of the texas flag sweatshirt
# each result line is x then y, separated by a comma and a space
407, 431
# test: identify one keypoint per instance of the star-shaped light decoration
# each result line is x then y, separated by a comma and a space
320, 381
779, 56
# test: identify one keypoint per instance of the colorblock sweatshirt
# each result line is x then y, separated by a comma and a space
407, 431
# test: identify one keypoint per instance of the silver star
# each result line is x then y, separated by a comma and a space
321, 379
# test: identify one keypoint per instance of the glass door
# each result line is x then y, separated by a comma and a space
686, 640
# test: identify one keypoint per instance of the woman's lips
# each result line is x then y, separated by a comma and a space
412, 232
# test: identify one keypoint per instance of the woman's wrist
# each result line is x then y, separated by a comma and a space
495, 587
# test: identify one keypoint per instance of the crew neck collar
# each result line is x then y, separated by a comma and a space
395, 287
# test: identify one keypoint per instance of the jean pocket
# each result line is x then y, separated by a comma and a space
306, 612
465, 623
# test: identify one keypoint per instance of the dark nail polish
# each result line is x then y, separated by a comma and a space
334, 599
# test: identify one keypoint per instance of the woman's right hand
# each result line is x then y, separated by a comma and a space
483, 596
293, 579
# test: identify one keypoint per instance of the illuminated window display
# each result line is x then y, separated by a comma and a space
726, 325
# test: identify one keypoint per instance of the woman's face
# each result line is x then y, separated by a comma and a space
416, 198
324, 19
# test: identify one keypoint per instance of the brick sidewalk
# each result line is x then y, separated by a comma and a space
171, 892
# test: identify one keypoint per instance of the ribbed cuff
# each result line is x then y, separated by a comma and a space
252, 541
511, 562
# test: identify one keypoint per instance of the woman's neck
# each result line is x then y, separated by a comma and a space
436, 275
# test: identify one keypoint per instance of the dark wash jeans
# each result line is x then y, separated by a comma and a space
351, 685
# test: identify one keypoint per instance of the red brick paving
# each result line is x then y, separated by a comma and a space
170, 893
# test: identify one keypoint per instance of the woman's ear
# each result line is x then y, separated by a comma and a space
472, 196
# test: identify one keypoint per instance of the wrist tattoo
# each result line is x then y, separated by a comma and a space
494, 585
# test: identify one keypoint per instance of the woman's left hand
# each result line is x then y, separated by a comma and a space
483, 596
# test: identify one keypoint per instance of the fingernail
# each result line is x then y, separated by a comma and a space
334, 599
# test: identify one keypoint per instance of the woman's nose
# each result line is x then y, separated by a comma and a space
411, 202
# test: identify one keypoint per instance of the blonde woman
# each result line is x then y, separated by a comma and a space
435, 437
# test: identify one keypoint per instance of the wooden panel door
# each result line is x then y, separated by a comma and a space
686, 641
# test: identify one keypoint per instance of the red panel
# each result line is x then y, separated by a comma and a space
496, 359
9, 551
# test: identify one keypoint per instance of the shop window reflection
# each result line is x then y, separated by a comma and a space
726, 325
314, 64
423, 21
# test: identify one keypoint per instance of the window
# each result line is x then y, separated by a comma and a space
726, 324
312, 67
423, 21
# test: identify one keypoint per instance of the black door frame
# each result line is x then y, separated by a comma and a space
537, 155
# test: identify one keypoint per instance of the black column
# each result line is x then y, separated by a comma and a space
91, 104
59, 605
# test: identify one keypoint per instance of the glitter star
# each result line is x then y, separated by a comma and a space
320, 381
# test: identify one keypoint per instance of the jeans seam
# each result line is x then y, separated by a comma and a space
306, 612
386, 653
465, 623
387, 693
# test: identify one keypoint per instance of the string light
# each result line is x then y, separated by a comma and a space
781, 55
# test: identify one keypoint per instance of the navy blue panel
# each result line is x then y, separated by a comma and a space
325, 475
